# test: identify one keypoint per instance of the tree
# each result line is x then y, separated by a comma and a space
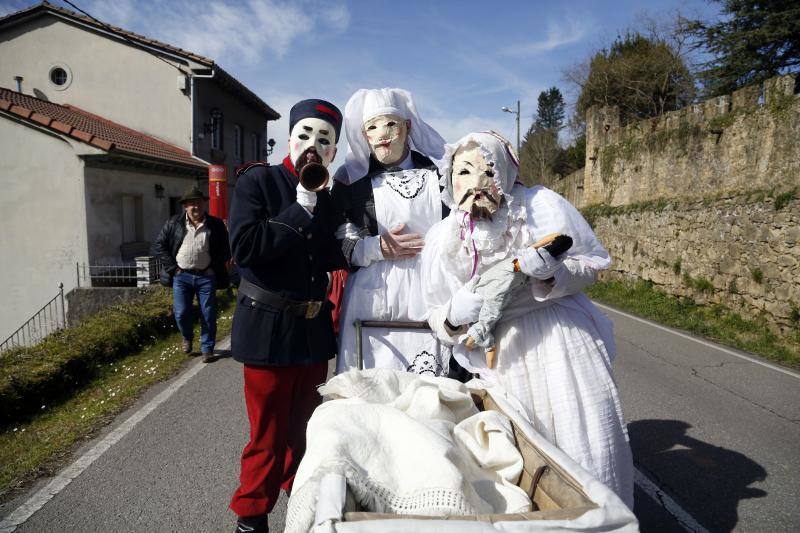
643, 75
550, 110
572, 157
540, 149
753, 40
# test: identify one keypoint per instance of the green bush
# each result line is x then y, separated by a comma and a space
783, 199
758, 275
703, 285
732, 287
49, 371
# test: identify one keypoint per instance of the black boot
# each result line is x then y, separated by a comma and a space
252, 524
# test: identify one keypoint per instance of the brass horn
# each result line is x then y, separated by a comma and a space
314, 177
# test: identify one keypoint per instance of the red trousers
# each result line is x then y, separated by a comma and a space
280, 400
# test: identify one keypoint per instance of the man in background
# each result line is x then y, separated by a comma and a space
193, 249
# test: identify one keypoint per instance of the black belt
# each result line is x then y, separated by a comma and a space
307, 309
194, 271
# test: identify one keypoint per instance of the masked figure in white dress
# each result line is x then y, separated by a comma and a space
554, 348
388, 190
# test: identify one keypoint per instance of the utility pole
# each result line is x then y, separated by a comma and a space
517, 112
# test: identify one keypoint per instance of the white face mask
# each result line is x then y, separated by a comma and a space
387, 136
316, 133
474, 189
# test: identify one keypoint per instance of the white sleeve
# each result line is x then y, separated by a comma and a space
367, 250
548, 212
436, 318
571, 278
438, 285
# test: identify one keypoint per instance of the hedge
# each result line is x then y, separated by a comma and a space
66, 360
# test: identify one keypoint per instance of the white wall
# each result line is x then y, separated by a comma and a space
109, 78
44, 228
105, 187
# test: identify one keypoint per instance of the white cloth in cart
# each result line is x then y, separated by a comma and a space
554, 347
392, 290
408, 444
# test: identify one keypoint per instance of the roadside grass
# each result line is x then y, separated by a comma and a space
712, 321
38, 445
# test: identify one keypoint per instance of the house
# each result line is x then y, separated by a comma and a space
101, 130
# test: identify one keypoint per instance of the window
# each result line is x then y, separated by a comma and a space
59, 77
175, 206
237, 143
132, 223
255, 146
216, 129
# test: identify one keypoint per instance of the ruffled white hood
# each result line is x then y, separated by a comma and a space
470, 244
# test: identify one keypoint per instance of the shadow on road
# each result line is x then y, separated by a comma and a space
706, 480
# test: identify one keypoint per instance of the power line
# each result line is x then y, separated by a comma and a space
138, 45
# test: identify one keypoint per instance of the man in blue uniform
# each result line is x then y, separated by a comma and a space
282, 237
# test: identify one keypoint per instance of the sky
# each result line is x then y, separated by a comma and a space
463, 60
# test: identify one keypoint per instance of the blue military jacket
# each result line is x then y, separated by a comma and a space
278, 246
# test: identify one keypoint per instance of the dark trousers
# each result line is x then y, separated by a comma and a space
184, 288
280, 400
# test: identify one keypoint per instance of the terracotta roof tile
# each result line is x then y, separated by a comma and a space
41, 119
102, 144
60, 126
93, 129
21, 111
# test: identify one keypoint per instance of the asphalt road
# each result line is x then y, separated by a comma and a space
718, 434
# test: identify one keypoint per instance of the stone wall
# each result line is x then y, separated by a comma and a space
740, 250
743, 141
704, 201
570, 187
83, 302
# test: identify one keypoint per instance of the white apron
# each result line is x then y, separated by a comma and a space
391, 289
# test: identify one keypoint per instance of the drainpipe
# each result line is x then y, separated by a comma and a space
191, 109
18, 79
217, 178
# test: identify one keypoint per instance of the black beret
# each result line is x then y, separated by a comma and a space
314, 108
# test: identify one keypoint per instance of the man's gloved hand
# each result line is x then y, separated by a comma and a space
306, 198
398, 245
465, 305
538, 263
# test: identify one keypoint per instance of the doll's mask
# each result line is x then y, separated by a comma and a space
312, 140
474, 188
387, 136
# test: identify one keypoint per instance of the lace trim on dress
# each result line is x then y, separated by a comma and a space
408, 183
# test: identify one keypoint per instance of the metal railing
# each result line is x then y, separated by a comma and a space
49, 319
108, 275
144, 270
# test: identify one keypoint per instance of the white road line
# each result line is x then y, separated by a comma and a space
660, 497
700, 341
58, 483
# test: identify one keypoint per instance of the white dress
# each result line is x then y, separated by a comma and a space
391, 289
554, 347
